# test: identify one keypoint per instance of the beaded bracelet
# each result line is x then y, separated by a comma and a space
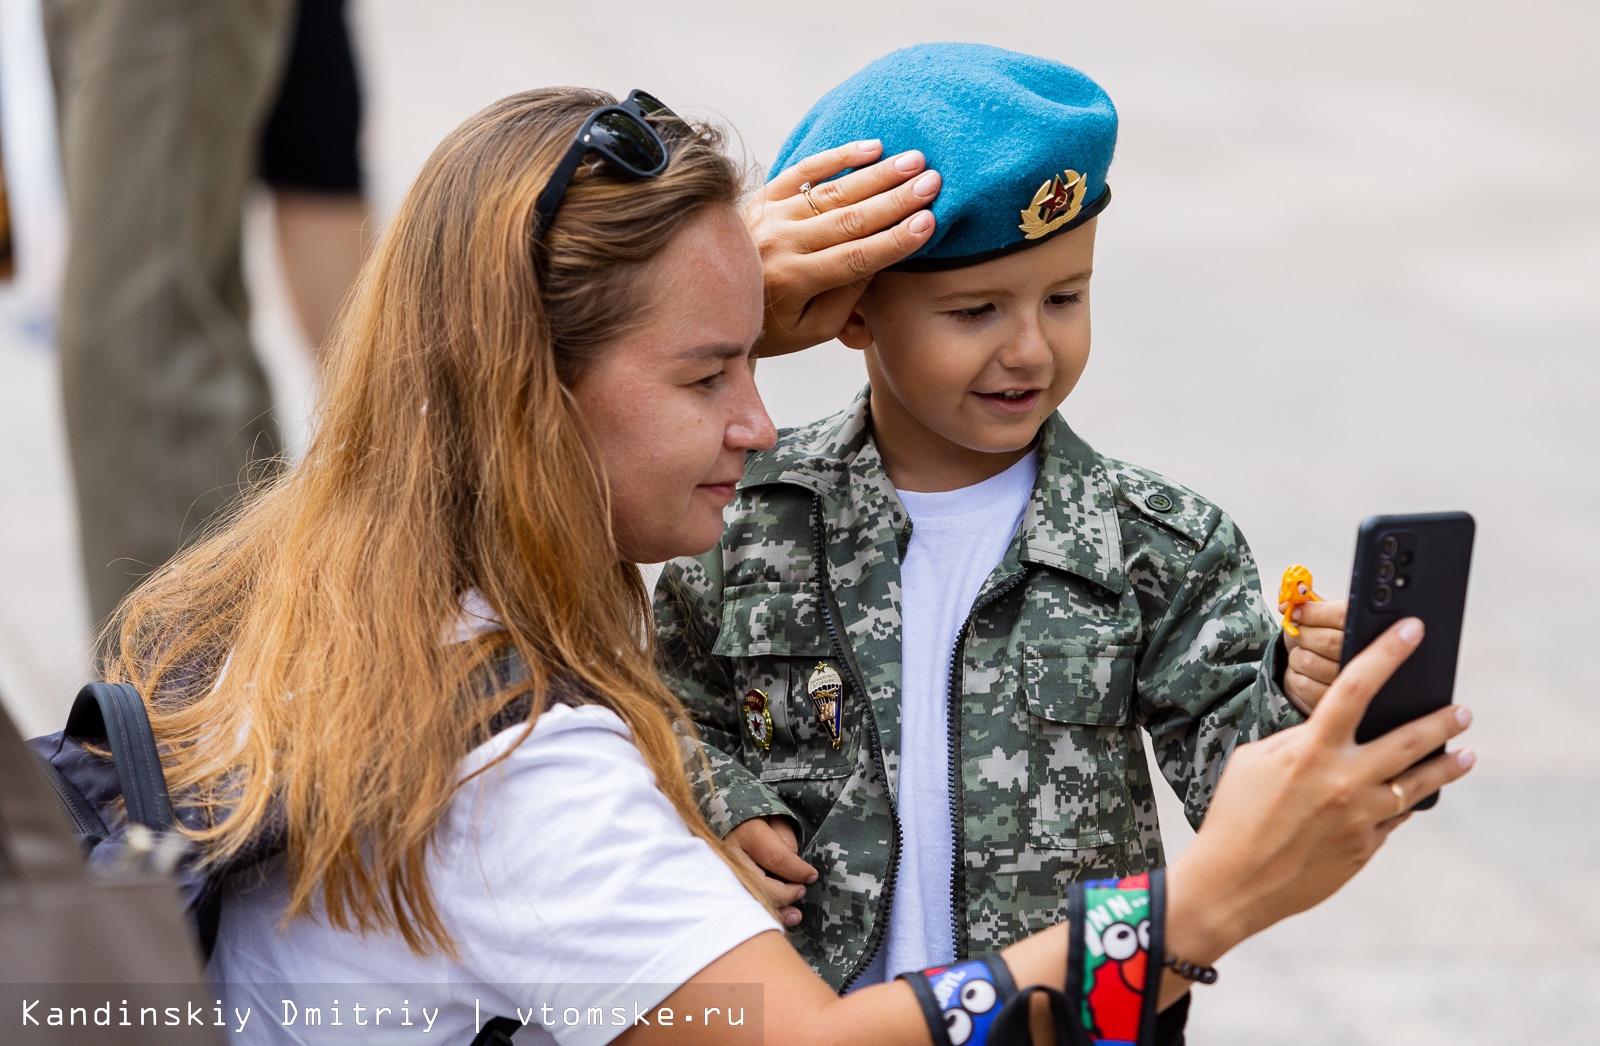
1191, 971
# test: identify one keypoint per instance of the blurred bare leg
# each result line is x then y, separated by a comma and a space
322, 239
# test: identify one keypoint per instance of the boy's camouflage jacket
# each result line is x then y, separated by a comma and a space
1124, 601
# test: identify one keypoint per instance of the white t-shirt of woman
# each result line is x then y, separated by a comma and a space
576, 896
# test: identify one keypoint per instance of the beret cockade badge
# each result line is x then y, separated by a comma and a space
1057, 202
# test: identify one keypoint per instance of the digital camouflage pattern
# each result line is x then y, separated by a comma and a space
1123, 601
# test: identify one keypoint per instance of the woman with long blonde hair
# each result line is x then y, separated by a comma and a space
420, 653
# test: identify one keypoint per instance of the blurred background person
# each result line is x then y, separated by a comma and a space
165, 109
159, 104
311, 160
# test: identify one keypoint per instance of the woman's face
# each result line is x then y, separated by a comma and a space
671, 409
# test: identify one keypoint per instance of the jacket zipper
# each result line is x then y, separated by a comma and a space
880, 922
959, 943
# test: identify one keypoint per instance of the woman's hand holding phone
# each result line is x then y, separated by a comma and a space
1297, 814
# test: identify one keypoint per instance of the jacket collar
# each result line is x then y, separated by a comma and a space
814, 456
1071, 520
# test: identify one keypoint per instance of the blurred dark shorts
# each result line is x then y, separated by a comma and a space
312, 138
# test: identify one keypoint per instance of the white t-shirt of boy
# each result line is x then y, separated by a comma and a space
958, 537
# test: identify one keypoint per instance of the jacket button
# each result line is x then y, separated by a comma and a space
1158, 502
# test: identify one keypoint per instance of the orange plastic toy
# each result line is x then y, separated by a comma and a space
1295, 590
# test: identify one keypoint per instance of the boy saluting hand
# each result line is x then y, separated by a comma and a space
920, 658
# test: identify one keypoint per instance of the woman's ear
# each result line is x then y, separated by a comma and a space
855, 334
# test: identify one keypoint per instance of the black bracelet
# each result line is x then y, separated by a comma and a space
1191, 971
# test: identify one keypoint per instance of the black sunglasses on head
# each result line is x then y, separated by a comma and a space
623, 137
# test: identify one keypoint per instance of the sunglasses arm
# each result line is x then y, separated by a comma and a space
556, 187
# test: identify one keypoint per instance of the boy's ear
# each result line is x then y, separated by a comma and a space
855, 334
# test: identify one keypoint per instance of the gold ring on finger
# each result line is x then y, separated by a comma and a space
1399, 799
805, 190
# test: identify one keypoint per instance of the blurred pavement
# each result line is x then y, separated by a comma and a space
1353, 266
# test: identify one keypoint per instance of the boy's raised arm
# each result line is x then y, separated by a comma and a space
688, 614
1212, 676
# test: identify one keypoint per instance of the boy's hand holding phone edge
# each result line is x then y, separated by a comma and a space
1313, 648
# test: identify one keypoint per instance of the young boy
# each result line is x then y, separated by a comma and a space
938, 619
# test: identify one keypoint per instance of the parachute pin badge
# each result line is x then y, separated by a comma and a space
827, 694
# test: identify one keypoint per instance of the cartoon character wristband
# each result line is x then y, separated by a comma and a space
1115, 953
960, 1002
1115, 929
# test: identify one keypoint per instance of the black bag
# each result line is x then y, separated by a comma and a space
112, 716
89, 787
83, 952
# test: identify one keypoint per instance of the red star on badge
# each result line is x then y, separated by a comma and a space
1058, 201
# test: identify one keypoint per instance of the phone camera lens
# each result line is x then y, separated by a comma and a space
1381, 596
1400, 582
1385, 570
1388, 546
1406, 558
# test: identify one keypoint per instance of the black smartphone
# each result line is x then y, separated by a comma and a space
1410, 566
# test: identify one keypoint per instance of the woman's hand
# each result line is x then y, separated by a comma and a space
819, 253
1299, 813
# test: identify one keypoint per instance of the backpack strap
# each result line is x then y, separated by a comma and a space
114, 714
513, 714
497, 1032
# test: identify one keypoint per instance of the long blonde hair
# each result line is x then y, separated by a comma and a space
293, 660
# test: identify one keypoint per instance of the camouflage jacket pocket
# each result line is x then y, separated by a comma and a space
773, 639
1080, 733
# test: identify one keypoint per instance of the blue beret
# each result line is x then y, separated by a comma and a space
1022, 143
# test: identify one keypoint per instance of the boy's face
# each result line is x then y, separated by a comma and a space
967, 364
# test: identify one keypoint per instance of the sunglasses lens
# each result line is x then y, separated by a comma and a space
629, 141
653, 107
